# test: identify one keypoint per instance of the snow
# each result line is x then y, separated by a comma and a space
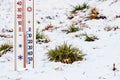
100, 54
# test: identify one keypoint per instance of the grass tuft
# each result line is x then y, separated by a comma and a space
38, 36
41, 38
4, 48
65, 54
80, 8
71, 28
89, 38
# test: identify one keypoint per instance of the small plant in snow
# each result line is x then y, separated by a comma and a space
89, 38
65, 54
80, 8
93, 14
41, 38
71, 28
48, 27
38, 36
4, 48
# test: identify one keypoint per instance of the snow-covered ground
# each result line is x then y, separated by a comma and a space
100, 54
